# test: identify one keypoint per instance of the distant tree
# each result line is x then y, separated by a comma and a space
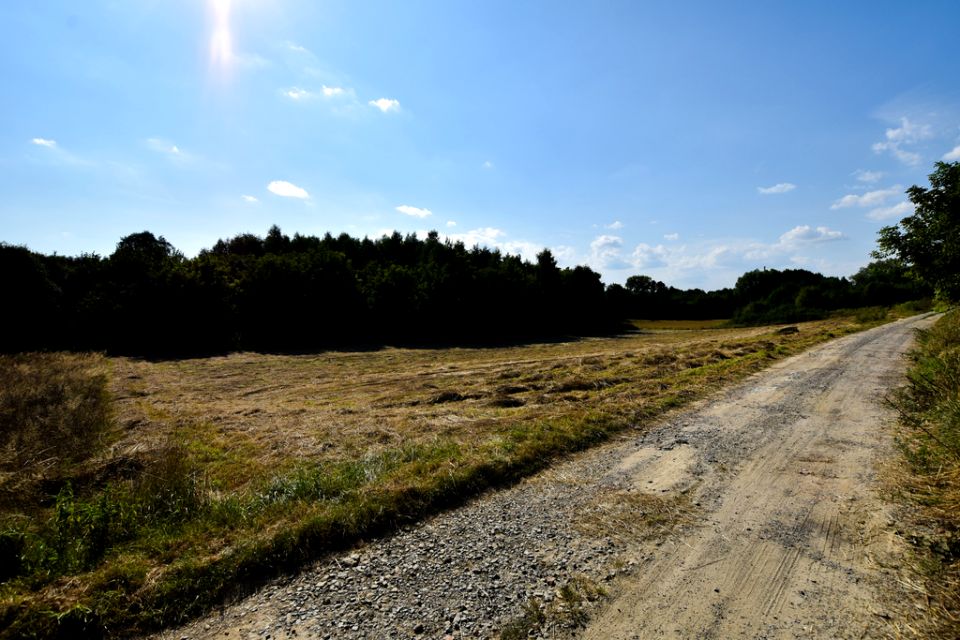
275, 241
644, 285
885, 282
145, 289
928, 241
144, 252
30, 299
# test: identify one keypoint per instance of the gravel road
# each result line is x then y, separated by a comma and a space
753, 514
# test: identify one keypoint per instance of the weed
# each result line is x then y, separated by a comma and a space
527, 623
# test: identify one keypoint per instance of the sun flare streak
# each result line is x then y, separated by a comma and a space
221, 40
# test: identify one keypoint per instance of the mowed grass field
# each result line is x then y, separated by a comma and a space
209, 474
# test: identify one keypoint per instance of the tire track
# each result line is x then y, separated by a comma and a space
792, 503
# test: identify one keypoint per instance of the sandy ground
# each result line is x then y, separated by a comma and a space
783, 536
797, 542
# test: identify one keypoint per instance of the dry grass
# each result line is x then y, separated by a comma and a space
251, 414
273, 459
926, 481
54, 414
631, 516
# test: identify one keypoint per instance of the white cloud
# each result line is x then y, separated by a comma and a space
606, 243
296, 93
487, 164
682, 258
801, 236
385, 104
671, 236
645, 256
416, 212
451, 223
526, 250
250, 198
868, 176
55, 154
952, 155
715, 263
868, 199
325, 92
616, 224
904, 156
606, 253
565, 255
489, 236
907, 133
494, 238
782, 187
805, 234
899, 210
172, 152
293, 46
287, 190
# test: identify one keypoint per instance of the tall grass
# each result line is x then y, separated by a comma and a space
929, 438
54, 410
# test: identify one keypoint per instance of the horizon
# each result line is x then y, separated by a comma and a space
421, 236
691, 145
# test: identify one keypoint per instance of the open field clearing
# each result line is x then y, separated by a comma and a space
754, 512
220, 471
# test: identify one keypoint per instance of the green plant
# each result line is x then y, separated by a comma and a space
929, 439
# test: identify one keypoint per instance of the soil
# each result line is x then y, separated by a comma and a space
754, 514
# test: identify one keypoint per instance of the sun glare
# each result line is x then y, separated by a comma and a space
221, 41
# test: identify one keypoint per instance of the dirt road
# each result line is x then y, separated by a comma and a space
796, 539
751, 515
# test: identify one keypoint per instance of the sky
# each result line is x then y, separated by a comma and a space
687, 141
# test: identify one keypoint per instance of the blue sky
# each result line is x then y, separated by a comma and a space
689, 141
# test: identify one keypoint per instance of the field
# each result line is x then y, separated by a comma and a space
200, 476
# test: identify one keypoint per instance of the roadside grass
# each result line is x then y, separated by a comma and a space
201, 477
928, 481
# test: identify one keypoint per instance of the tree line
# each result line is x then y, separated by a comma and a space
302, 293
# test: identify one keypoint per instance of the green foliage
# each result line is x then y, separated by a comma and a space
291, 294
81, 530
928, 241
929, 438
930, 404
307, 293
